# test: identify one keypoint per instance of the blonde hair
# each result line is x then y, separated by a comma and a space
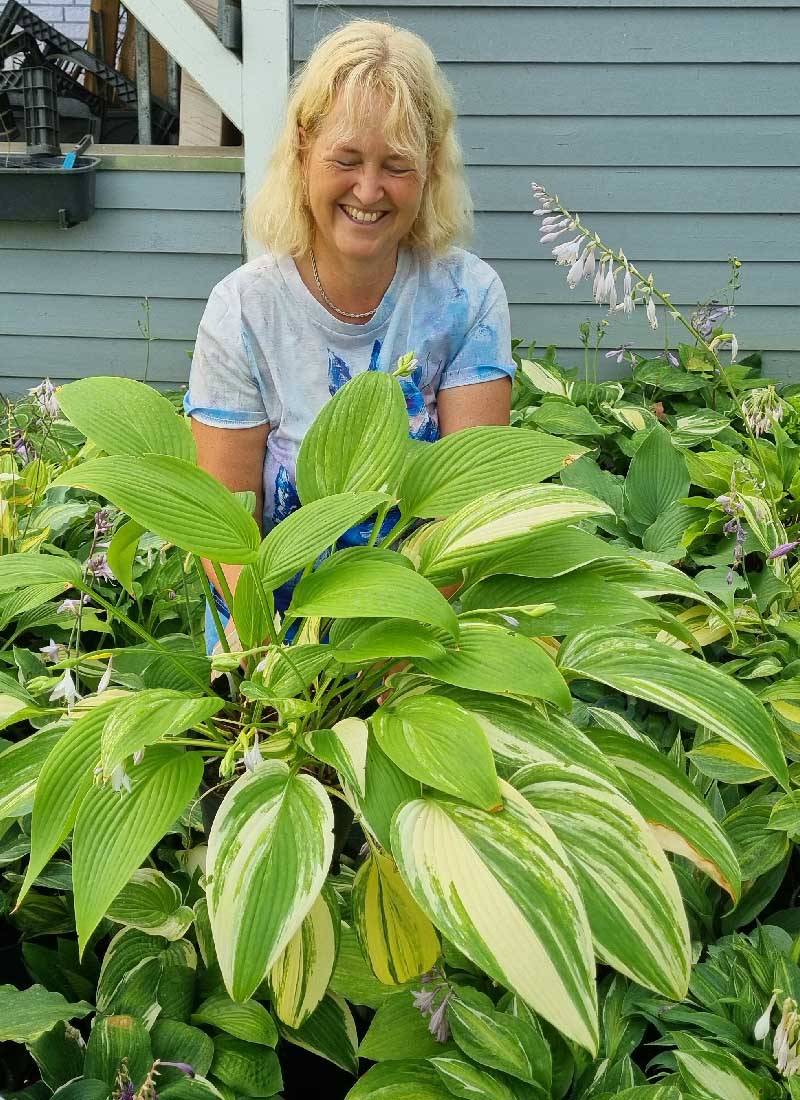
358, 62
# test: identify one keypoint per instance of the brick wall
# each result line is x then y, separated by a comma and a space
71, 17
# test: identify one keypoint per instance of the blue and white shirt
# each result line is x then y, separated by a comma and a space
267, 352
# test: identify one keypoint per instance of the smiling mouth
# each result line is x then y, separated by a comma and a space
363, 217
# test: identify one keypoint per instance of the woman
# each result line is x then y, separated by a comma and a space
362, 204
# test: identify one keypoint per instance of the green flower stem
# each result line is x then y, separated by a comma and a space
381, 516
206, 586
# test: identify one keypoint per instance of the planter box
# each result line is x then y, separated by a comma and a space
39, 189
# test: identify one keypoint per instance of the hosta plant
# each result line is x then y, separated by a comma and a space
498, 832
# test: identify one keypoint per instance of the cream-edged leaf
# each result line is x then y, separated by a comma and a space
300, 977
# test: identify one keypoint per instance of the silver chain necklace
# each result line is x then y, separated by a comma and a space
327, 300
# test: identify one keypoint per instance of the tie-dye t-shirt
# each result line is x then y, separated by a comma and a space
268, 353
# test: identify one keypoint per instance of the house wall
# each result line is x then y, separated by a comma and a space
72, 302
71, 17
672, 127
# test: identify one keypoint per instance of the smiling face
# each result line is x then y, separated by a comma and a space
364, 195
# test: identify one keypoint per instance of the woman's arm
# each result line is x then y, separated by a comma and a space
234, 456
481, 404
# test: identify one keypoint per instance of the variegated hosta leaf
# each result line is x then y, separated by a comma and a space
711, 1072
435, 741
344, 747
670, 803
632, 899
268, 855
646, 669
501, 888
300, 977
330, 1032
502, 521
464, 1078
458, 469
398, 940
152, 903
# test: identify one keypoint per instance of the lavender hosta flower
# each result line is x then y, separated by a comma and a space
426, 998
438, 1026
782, 550
709, 317
45, 394
66, 689
73, 606
23, 449
52, 652
184, 1067
98, 566
618, 353
102, 523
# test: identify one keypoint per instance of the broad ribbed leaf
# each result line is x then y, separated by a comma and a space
373, 589
65, 778
553, 552
672, 806
152, 903
400, 1081
329, 1032
303, 971
657, 477
398, 940
299, 539
22, 570
462, 467
499, 1039
463, 1078
358, 442
175, 500
646, 669
122, 552
175, 1041
112, 1039
25, 1014
121, 416
246, 1020
632, 899
147, 716
268, 854
491, 658
501, 888
353, 978
358, 642
397, 1029
711, 1072
435, 741
499, 522
287, 670
345, 748
248, 1070
20, 765
115, 831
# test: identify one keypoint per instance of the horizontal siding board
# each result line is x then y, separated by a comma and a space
598, 88
87, 315
758, 328
705, 141
774, 237
189, 231
111, 274
629, 35
64, 358
659, 190
764, 284
169, 191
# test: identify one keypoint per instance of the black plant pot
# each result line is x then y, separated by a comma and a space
40, 189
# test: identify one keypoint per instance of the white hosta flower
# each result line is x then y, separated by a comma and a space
589, 262
598, 287
627, 295
120, 780
65, 689
553, 235
611, 288
252, 755
105, 679
567, 253
734, 348
650, 310
138, 756
52, 651
785, 1043
575, 273
45, 394
761, 1030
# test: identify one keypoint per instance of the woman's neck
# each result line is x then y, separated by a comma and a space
353, 286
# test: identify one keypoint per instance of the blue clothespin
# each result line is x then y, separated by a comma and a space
81, 147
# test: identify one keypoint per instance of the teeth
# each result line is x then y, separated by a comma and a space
362, 215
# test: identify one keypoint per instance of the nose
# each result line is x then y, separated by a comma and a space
368, 188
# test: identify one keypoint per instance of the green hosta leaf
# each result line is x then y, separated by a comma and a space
435, 741
334, 458
174, 1041
299, 540
330, 1032
115, 832
25, 1014
20, 766
491, 658
64, 780
113, 1039
757, 847
398, 1029
353, 588
500, 522
152, 903
287, 670
303, 971
495, 1039
82, 1088
146, 717
657, 477
249, 1070
25, 570
646, 669
454, 471
406, 1080
397, 938
353, 978
711, 1072
385, 788
358, 642
59, 1055
785, 815
500, 887
268, 854
175, 500
561, 417
671, 805
246, 1020
122, 552
121, 416
632, 899
467, 1080
554, 552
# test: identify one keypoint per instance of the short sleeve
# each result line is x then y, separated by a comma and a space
226, 389
485, 354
